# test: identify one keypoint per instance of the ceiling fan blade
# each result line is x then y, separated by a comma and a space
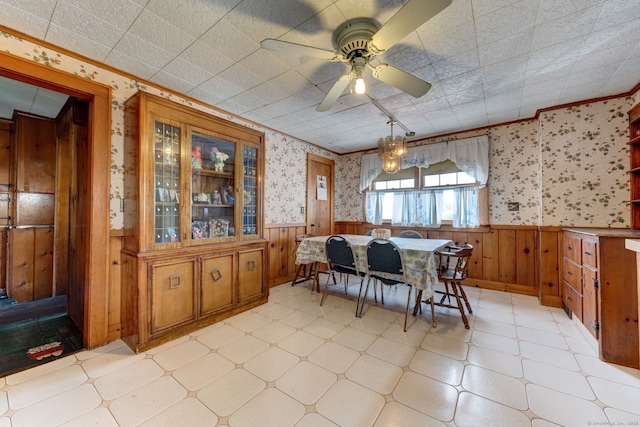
299, 49
408, 19
334, 93
401, 80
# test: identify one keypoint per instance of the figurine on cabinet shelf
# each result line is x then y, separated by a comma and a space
227, 196
218, 158
216, 198
196, 157
199, 230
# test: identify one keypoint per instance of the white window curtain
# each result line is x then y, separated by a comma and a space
373, 208
416, 208
467, 213
471, 155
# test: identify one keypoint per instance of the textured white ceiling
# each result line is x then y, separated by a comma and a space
489, 61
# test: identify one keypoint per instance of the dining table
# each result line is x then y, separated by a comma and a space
418, 256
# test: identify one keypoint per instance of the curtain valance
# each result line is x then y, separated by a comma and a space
471, 155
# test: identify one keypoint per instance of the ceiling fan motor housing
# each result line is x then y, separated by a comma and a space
353, 39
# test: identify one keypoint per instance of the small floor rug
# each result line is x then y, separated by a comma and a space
32, 342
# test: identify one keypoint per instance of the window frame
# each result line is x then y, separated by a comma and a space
419, 174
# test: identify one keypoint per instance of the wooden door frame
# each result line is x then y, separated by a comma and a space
330, 189
95, 328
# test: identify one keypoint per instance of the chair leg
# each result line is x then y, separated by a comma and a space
433, 310
446, 294
464, 297
418, 305
295, 277
360, 304
454, 286
406, 311
326, 286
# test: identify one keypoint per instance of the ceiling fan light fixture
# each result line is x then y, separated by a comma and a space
359, 40
359, 86
359, 64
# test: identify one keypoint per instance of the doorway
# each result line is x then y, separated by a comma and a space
320, 189
41, 309
89, 208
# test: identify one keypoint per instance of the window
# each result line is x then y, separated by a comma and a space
445, 180
446, 194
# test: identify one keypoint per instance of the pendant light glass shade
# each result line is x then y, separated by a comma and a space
390, 162
392, 150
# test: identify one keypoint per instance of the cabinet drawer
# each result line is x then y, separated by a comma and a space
572, 248
172, 294
250, 282
572, 274
217, 284
590, 253
572, 300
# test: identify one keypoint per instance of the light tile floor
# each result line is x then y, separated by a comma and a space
292, 362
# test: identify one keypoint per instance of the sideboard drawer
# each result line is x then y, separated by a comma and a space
572, 248
572, 299
572, 274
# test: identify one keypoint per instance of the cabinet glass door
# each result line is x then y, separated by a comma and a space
166, 183
212, 187
249, 195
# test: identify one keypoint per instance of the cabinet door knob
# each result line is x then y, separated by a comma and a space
216, 275
588, 253
251, 265
174, 281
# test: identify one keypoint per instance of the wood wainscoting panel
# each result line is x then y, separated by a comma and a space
491, 256
518, 259
30, 267
526, 265
507, 264
550, 258
115, 272
282, 251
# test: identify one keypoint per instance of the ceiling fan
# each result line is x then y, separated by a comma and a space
360, 40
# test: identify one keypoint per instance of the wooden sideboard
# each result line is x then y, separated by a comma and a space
600, 287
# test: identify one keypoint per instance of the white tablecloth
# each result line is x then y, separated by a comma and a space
418, 256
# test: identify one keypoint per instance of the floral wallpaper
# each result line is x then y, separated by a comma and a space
285, 157
584, 161
568, 167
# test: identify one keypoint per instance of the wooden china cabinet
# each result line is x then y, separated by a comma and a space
193, 251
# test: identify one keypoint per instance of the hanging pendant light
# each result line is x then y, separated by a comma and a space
390, 162
392, 150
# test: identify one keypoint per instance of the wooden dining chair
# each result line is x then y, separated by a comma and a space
308, 271
341, 259
453, 265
